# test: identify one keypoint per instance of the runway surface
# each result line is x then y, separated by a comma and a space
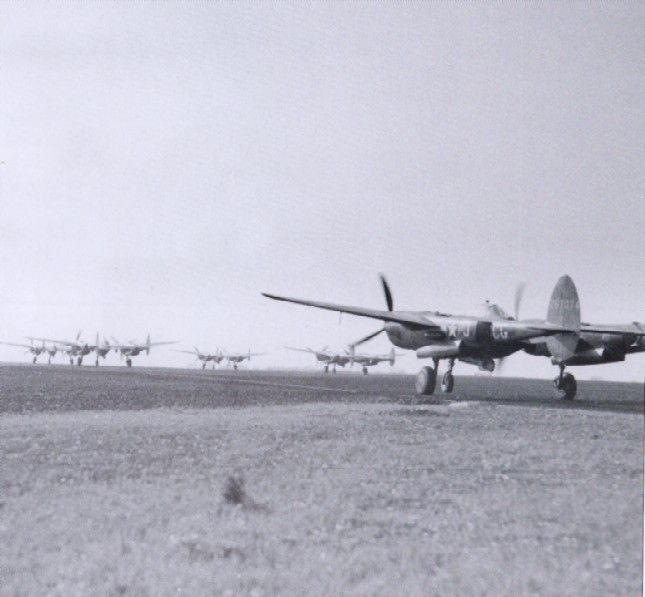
117, 482
40, 388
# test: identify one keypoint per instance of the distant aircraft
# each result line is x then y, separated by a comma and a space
101, 350
236, 358
471, 339
369, 360
34, 350
587, 343
73, 348
327, 357
134, 348
204, 357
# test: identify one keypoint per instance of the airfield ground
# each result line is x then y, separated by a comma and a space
113, 482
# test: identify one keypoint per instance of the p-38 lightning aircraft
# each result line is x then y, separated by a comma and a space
134, 348
34, 350
327, 357
236, 358
587, 343
73, 348
470, 339
369, 360
204, 357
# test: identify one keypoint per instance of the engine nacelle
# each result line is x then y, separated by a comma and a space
596, 356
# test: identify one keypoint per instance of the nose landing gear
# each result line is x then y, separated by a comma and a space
448, 380
565, 385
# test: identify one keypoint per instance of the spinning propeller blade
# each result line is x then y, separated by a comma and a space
389, 301
519, 293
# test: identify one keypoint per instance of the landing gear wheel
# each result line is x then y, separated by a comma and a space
128, 362
79, 361
203, 366
364, 370
235, 366
71, 360
326, 369
96, 363
426, 381
566, 387
34, 360
447, 382
334, 370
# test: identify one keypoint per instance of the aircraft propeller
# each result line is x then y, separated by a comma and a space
390, 305
519, 294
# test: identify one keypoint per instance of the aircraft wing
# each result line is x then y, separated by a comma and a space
415, 320
307, 350
189, 352
622, 330
16, 344
161, 343
65, 342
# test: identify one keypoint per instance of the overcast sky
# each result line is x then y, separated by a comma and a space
161, 164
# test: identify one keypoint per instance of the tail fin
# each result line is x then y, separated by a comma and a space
392, 357
564, 310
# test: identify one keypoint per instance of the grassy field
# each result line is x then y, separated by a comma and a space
114, 481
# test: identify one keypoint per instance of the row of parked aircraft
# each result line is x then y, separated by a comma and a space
77, 349
480, 340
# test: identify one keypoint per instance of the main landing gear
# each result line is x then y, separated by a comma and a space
235, 366
427, 379
448, 380
79, 361
128, 362
34, 360
364, 370
565, 385
203, 365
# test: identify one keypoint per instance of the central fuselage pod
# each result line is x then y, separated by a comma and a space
459, 337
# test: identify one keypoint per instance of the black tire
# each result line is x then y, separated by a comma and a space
447, 382
426, 381
364, 370
566, 388
79, 361
128, 362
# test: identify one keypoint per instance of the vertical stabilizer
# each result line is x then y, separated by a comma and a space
564, 310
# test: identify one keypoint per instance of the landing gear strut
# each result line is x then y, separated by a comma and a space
334, 370
71, 360
427, 380
203, 366
128, 362
326, 369
565, 385
79, 361
448, 380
